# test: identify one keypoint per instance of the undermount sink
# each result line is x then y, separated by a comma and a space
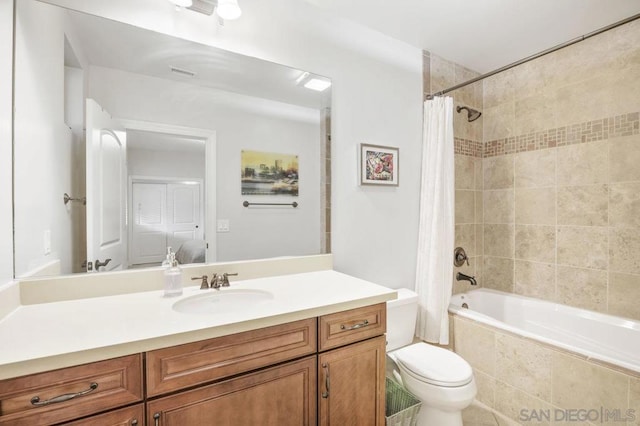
222, 301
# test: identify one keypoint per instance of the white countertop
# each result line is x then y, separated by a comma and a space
46, 336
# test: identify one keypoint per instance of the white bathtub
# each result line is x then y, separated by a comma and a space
606, 338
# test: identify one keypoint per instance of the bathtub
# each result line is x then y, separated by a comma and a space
612, 340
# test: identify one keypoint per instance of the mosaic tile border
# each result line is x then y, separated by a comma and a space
589, 131
467, 147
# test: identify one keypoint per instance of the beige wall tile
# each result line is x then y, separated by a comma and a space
535, 113
535, 169
583, 164
623, 250
486, 388
479, 240
479, 199
465, 237
498, 240
624, 294
586, 205
465, 206
624, 204
442, 74
498, 206
498, 172
582, 288
624, 158
535, 206
524, 365
498, 89
510, 401
464, 172
583, 100
498, 121
535, 242
535, 279
634, 397
581, 384
584, 247
478, 173
475, 344
497, 273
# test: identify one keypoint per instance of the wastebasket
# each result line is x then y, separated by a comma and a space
401, 407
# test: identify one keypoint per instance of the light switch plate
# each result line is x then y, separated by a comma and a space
223, 225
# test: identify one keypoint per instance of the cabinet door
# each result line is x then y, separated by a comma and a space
278, 396
129, 416
351, 384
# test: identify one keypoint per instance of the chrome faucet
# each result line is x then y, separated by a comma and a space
460, 277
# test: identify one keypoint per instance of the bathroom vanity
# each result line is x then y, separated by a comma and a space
319, 361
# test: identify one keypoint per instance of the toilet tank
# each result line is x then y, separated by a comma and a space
401, 319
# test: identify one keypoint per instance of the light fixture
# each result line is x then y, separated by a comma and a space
317, 84
182, 3
228, 9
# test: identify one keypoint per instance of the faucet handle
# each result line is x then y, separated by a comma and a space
225, 279
204, 284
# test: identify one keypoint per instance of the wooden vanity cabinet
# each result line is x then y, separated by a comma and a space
327, 370
351, 375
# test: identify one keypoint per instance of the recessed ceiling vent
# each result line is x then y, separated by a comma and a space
183, 72
205, 7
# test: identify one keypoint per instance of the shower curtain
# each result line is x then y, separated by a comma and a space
434, 271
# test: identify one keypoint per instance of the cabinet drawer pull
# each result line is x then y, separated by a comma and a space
355, 326
134, 422
156, 419
62, 398
327, 381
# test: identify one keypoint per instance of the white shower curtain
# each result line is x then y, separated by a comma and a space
434, 271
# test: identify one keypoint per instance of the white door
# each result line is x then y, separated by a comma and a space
183, 219
149, 239
106, 189
164, 214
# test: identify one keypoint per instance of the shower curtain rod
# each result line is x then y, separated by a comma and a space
535, 56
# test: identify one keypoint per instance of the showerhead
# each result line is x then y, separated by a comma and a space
472, 114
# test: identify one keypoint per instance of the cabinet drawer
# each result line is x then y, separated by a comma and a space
351, 326
129, 416
23, 400
196, 363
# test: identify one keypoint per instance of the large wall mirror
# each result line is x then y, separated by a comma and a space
128, 141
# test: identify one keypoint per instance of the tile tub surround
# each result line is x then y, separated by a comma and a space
561, 178
515, 373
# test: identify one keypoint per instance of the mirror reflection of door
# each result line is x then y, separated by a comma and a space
164, 215
106, 190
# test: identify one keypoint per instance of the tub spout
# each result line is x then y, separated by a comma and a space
463, 277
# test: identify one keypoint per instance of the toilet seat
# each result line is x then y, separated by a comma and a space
434, 365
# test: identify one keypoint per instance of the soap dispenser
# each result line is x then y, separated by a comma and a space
172, 278
166, 263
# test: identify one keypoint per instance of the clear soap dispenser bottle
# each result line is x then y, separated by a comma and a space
173, 278
167, 262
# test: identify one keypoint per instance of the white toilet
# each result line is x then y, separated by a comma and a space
441, 379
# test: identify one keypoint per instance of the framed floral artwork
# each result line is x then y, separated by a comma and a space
378, 165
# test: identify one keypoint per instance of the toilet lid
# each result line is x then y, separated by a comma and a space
435, 365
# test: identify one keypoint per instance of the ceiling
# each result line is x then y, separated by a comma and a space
483, 35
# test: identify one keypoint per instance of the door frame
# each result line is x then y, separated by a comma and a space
132, 179
209, 193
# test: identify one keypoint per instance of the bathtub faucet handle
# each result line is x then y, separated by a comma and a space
459, 257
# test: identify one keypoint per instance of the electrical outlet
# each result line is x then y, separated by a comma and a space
47, 242
223, 225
